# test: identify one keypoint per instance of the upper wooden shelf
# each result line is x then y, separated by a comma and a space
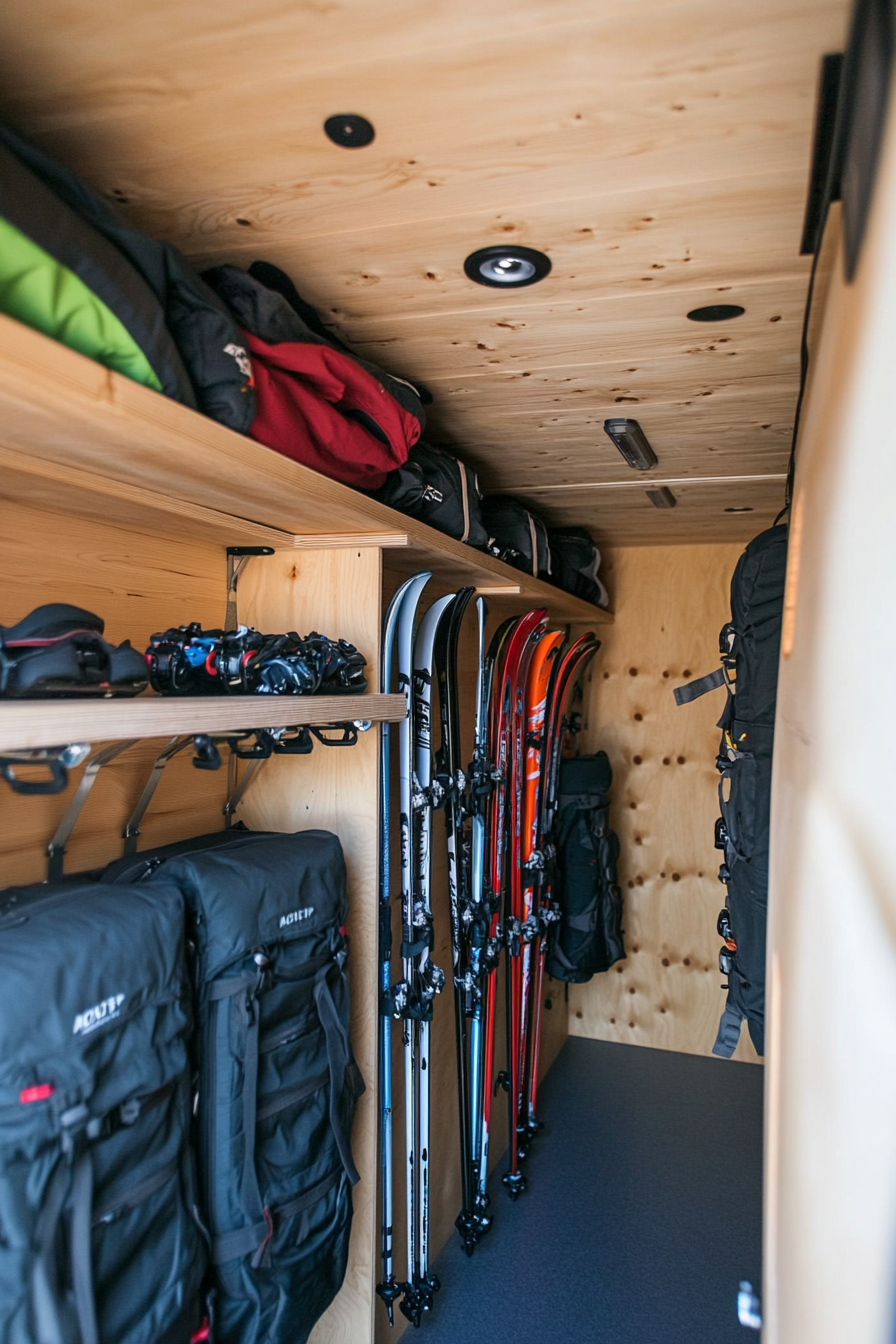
80, 438
27, 724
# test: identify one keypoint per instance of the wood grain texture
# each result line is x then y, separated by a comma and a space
138, 586
65, 411
666, 994
48, 723
656, 150
336, 592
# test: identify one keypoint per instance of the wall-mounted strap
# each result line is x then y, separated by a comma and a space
692, 690
237, 793
56, 847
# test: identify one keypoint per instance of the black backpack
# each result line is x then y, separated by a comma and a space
749, 645
277, 1078
439, 490
575, 561
99, 1237
587, 938
517, 536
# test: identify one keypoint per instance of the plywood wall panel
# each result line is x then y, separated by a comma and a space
671, 603
139, 584
338, 593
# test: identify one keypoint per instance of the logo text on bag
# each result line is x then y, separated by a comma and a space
296, 916
94, 1017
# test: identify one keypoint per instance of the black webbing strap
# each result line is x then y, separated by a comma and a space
339, 1058
82, 1267
729, 1033
45, 1296
291, 1096
234, 1245
692, 690
132, 1195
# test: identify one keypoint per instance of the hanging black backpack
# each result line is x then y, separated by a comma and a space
439, 490
277, 1078
100, 1242
575, 561
516, 535
749, 645
587, 938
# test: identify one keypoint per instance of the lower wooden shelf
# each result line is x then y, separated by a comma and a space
29, 724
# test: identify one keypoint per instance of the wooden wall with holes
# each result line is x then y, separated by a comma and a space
671, 603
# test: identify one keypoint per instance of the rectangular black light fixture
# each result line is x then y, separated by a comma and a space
631, 441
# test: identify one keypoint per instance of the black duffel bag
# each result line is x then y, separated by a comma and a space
516, 535
587, 938
575, 561
440, 490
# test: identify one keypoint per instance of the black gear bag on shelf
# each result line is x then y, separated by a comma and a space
59, 650
575, 561
439, 490
516, 535
277, 1078
587, 938
100, 1242
749, 645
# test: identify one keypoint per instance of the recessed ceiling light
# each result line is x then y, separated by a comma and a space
349, 130
743, 508
716, 312
632, 443
506, 267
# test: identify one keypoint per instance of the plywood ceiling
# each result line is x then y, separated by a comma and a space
656, 150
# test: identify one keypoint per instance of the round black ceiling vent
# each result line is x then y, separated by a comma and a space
507, 267
716, 312
349, 130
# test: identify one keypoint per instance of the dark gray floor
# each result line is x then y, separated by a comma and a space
643, 1210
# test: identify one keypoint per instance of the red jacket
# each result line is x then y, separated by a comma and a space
317, 405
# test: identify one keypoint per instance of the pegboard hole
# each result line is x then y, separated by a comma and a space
636, 760
638, 718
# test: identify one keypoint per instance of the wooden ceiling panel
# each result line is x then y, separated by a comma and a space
700, 513
515, 333
657, 150
695, 233
736, 434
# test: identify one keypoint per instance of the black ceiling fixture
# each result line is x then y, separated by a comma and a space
631, 441
740, 508
506, 267
662, 498
716, 312
349, 130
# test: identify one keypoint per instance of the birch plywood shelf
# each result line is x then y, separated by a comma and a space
81, 438
27, 724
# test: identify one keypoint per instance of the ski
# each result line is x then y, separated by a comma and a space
390, 998
486, 863
507, 818
424, 978
567, 671
543, 666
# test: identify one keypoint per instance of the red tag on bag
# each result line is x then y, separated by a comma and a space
39, 1092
